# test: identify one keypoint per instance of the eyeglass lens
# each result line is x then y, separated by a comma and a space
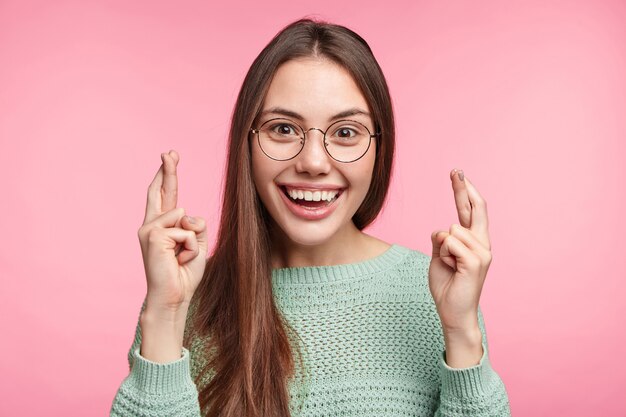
283, 139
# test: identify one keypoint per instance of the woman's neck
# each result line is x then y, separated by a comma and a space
347, 246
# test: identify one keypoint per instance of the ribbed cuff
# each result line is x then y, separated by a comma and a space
161, 378
474, 381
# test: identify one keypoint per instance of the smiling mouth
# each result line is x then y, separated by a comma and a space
310, 203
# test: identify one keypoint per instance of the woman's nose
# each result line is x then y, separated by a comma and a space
313, 157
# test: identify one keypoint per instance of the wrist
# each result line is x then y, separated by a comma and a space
161, 336
465, 335
162, 325
152, 313
464, 348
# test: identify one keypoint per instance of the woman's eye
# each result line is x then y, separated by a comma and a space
345, 132
284, 129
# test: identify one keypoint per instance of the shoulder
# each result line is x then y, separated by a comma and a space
412, 273
399, 254
406, 270
411, 260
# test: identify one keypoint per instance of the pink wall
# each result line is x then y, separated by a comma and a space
529, 99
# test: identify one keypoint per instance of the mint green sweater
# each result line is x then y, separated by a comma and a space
372, 345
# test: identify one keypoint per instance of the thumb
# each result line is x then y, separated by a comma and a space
438, 238
437, 241
197, 224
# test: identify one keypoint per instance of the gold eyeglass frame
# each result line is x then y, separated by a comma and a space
304, 132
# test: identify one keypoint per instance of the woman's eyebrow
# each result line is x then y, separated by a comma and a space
285, 112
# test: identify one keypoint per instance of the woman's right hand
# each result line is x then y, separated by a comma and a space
173, 247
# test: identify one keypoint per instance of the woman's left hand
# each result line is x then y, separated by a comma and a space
460, 260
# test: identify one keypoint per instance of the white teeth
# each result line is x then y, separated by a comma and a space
312, 195
330, 195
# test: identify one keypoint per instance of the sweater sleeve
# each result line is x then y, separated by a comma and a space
156, 389
475, 391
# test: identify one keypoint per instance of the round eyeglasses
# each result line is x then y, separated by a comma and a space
283, 139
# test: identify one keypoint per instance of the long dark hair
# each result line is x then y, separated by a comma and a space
248, 341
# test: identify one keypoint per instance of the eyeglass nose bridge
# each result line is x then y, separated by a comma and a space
314, 128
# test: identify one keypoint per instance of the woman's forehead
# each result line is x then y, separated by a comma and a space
312, 90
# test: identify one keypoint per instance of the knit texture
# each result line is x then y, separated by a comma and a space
372, 345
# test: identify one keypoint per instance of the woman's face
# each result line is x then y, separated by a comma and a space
316, 90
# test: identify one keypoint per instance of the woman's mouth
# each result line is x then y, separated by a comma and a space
312, 198
309, 204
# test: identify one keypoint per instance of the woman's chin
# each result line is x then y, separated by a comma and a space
311, 234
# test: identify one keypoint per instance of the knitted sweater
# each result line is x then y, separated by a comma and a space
372, 345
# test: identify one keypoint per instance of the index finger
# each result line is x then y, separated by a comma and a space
169, 190
461, 199
480, 222
163, 190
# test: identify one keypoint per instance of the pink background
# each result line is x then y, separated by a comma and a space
528, 98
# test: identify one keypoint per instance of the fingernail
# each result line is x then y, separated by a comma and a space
190, 219
461, 176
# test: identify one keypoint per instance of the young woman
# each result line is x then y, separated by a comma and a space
297, 311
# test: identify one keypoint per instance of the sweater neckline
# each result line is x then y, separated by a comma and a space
332, 273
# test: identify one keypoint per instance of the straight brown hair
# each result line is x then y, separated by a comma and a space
249, 350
